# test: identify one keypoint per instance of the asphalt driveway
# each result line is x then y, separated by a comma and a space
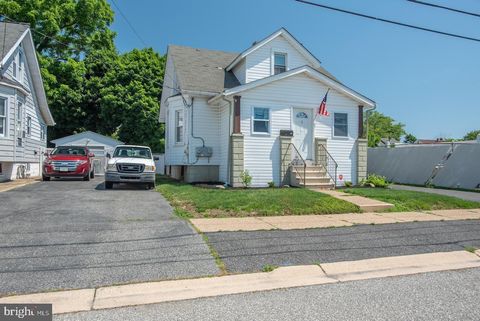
76, 234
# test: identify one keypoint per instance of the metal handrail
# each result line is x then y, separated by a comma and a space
294, 162
330, 166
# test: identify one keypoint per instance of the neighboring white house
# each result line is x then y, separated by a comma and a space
24, 113
98, 144
226, 112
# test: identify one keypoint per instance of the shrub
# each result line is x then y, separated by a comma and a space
374, 180
348, 184
246, 178
271, 184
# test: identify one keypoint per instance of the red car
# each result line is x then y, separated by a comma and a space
68, 161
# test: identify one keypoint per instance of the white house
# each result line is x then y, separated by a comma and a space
99, 145
258, 111
24, 113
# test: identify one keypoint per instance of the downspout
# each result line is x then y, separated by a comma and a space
229, 154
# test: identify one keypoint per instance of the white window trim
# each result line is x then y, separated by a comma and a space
178, 143
333, 126
6, 135
269, 121
272, 60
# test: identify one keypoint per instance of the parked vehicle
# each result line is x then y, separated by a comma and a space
130, 164
68, 161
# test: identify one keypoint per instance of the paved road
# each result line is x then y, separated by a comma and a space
250, 251
75, 234
429, 297
469, 196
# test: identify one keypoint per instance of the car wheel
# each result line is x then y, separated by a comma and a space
92, 174
87, 178
45, 178
108, 185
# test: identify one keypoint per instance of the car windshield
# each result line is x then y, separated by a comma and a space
135, 152
70, 150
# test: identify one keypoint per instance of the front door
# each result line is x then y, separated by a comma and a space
303, 131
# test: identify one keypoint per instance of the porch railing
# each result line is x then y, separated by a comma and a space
296, 161
329, 163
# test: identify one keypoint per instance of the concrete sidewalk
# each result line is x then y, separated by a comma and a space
324, 221
365, 204
285, 277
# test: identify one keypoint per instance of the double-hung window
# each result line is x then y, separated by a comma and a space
340, 124
43, 132
179, 126
20, 66
279, 62
29, 125
261, 120
19, 126
3, 117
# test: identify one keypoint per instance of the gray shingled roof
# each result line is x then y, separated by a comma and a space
202, 69
12, 34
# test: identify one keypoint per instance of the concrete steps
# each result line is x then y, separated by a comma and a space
315, 177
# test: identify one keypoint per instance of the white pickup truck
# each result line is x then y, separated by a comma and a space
130, 164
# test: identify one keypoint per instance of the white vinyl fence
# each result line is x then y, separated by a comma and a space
454, 165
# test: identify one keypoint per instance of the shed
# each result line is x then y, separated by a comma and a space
98, 144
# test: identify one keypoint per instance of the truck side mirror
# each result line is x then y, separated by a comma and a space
90, 154
46, 154
108, 155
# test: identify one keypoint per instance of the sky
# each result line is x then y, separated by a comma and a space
429, 82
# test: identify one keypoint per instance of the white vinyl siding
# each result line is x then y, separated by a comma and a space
260, 64
240, 72
33, 146
262, 153
206, 124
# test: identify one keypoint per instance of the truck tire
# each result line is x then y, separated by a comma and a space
108, 185
92, 174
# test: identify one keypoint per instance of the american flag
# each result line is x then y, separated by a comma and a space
322, 110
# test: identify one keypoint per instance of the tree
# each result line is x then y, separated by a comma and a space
472, 135
89, 86
130, 99
410, 139
64, 29
381, 126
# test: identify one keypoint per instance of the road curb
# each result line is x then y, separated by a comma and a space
283, 277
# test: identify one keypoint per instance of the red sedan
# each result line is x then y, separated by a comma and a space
68, 161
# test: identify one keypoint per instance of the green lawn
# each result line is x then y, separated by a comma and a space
412, 201
191, 201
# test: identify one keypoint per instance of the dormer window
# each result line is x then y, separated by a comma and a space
279, 63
